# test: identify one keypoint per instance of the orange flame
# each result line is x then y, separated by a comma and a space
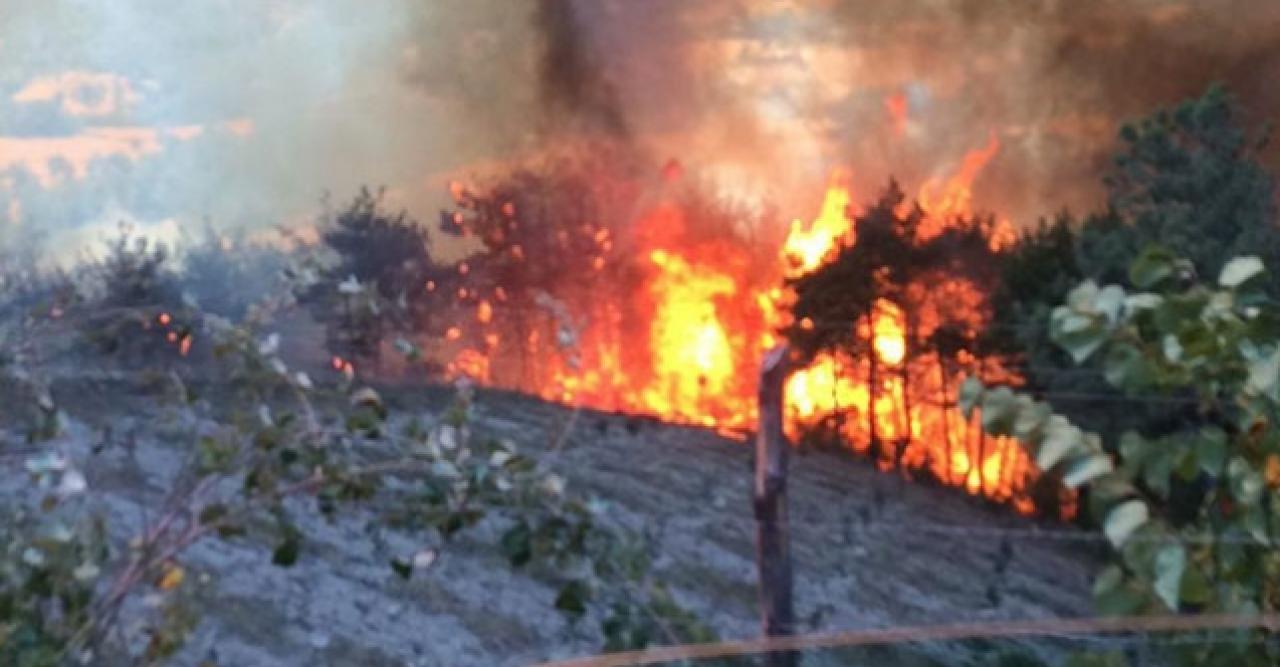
684, 344
807, 248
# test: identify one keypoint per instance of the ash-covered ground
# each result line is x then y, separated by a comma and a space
864, 554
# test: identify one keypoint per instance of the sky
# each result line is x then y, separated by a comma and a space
167, 114
245, 113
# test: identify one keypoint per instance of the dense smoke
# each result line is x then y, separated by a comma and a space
248, 113
571, 82
781, 92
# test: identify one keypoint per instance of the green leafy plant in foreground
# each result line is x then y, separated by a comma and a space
275, 439
1193, 512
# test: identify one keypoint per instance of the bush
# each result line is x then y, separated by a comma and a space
225, 274
131, 300
374, 280
1191, 512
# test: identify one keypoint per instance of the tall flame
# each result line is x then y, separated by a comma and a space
806, 248
684, 345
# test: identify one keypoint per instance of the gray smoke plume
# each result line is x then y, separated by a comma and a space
293, 98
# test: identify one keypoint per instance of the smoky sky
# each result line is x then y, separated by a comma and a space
794, 88
296, 98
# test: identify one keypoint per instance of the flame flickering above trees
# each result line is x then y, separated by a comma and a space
668, 314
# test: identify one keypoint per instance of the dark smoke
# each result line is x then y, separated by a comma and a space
572, 85
1055, 79
777, 93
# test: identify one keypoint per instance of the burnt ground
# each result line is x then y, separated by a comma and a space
862, 557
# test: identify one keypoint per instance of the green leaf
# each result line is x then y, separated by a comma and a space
1081, 298
1108, 580
1154, 265
1239, 270
1211, 450
1142, 301
214, 455
1072, 323
572, 599
970, 393
999, 408
1086, 470
1110, 302
1061, 437
1123, 520
1157, 471
1123, 600
445, 470
1171, 562
1126, 367
1031, 418
1246, 483
1133, 448
1263, 374
1080, 343
1254, 523
1196, 588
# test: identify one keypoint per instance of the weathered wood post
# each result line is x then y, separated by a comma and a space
773, 535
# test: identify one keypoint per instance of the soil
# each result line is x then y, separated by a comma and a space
866, 554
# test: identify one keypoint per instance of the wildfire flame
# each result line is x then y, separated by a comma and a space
685, 347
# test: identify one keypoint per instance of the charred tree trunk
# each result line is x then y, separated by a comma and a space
982, 446
872, 436
904, 441
773, 535
949, 468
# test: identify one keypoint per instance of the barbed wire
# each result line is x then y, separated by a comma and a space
1064, 628
986, 532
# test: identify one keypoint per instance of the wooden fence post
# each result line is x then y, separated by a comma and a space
773, 535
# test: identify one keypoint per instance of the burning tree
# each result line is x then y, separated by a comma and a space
677, 326
608, 289
888, 321
549, 233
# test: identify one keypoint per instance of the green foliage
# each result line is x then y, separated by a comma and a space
62, 591
375, 279
1209, 350
1189, 178
134, 273
49, 565
1186, 179
130, 301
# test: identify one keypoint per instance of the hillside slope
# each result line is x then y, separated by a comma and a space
862, 558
